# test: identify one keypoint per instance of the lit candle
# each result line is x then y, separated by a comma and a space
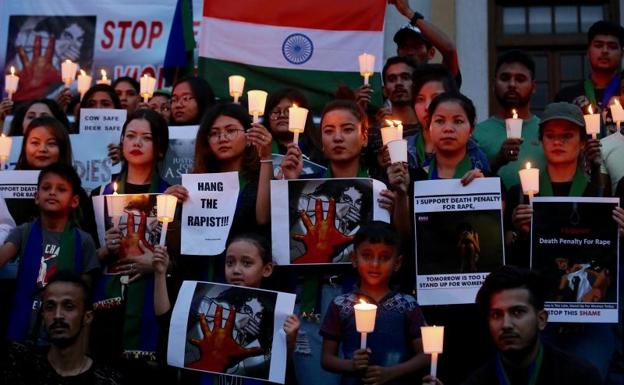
365, 314
104, 79
165, 210
115, 204
256, 100
68, 72
592, 123
10, 83
148, 84
84, 83
399, 128
617, 112
367, 66
389, 133
514, 126
5, 149
237, 85
529, 179
433, 343
296, 120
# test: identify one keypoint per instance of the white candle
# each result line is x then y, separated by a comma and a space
617, 112
84, 83
433, 343
165, 210
5, 149
296, 120
399, 128
104, 79
398, 151
514, 126
148, 84
256, 100
389, 133
367, 66
10, 83
115, 204
68, 72
237, 85
365, 314
592, 123
529, 179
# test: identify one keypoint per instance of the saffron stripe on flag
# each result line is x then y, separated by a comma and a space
287, 47
336, 15
319, 86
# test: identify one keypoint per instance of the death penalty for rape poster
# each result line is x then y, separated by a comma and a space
459, 238
231, 330
313, 221
208, 213
137, 221
575, 245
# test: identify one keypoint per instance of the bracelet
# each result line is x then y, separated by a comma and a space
417, 16
266, 160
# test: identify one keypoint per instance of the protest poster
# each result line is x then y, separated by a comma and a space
249, 322
459, 238
208, 213
180, 153
299, 208
18, 184
309, 169
137, 221
575, 245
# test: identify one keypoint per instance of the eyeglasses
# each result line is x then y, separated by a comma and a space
277, 112
227, 134
184, 99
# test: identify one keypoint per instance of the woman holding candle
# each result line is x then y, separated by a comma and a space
36, 109
191, 97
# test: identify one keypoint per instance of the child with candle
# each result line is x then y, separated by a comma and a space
50, 243
394, 351
248, 263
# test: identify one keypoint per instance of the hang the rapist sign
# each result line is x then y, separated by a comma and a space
208, 213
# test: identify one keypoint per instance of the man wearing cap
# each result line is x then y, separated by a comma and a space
513, 86
419, 39
604, 51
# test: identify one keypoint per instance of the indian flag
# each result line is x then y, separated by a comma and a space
312, 45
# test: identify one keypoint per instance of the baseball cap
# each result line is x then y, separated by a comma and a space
407, 31
563, 111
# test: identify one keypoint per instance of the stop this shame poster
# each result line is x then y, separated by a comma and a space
575, 245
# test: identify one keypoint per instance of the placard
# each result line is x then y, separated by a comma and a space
180, 153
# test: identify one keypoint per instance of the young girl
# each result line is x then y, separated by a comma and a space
190, 99
124, 327
247, 263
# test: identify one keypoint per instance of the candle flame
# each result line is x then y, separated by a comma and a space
528, 165
82, 73
3, 135
115, 187
12, 70
146, 76
294, 105
103, 72
515, 114
615, 100
397, 122
390, 122
68, 61
589, 109
363, 302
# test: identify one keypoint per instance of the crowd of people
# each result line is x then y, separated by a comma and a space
66, 322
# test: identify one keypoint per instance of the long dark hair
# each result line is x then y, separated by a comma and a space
101, 88
16, 128
58, 130
204, 96
159, 131
205, 161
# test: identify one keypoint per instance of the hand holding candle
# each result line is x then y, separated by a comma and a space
10, 83
148, 84
5, 150
592, 123
68, 72
84, 83
104, 79
296, 121
237, 85
433, 343
165, 210
365, 314
514, 126
256, 100
529, 179
367, 66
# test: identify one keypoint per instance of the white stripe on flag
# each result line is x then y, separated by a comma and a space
261, 45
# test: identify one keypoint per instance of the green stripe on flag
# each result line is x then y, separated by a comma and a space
319, 86
187, 22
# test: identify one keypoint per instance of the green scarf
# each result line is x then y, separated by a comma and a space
462, 168
579, 184
421, 155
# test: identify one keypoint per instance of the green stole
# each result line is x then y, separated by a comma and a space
579, 184
462, 168
421, 155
